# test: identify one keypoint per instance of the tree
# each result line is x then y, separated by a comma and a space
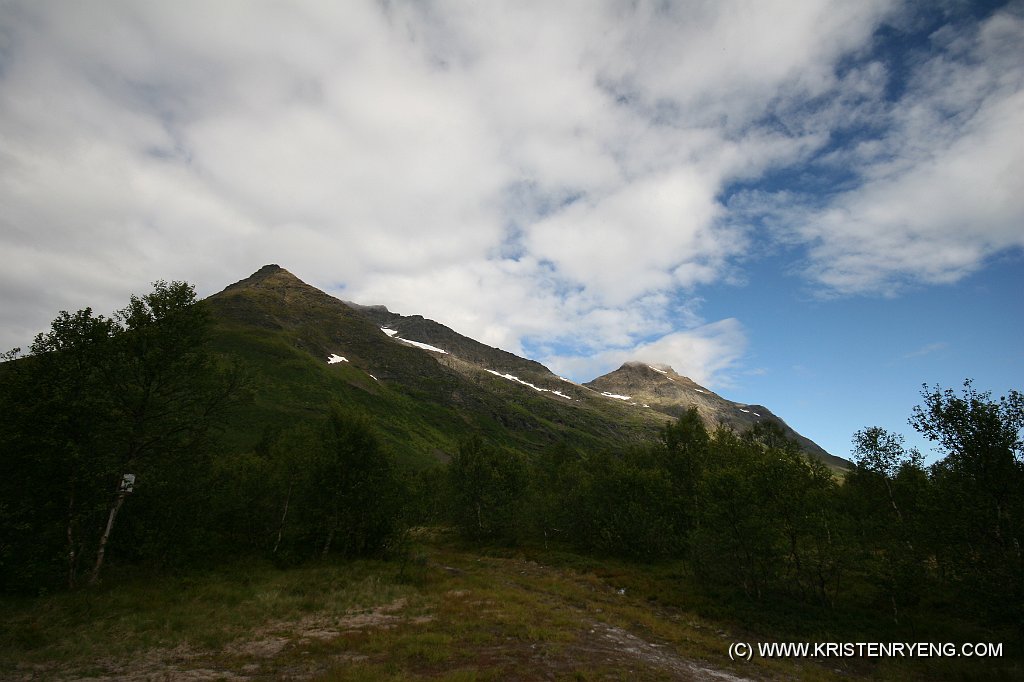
486, 488
887, 493
167, 389
57, 428
355, 487
881, 456
684, 454
979, 488
626, 506
981, 439
735, 539
99, 398
554, 478
767, 520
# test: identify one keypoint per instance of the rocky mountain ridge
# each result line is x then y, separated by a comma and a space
428, 361
661, 388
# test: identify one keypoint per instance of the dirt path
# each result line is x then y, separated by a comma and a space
615, 643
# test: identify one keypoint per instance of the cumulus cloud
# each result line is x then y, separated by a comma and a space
558, 177
650, 235
706, 354
938, 190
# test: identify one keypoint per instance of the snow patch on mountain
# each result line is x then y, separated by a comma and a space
424, 346
393, 333
334, 359
616, 396
516, 379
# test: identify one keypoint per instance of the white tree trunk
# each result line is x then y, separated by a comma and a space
95, 577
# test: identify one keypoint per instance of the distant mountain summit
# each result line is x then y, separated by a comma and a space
267, 271
428, 383
654, 384
661, 388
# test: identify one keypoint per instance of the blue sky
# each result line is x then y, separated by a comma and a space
831, 367
812, 205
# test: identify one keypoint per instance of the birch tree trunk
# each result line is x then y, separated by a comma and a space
72, 554
95, 577
284, 515
330, 538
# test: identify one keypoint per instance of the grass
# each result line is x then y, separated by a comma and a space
460, 615
203, 610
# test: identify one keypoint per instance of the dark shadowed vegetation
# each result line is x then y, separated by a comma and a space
123, 449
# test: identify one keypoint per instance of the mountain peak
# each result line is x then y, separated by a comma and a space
268, 273
659, 367
661, 388
643, 378
267, 270
271, 270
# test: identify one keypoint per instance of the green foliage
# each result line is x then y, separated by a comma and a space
767, 520
358, 495
624, 506
321, 487
98, 398
685, 455
636, 503
554, 476
977, 509
486, 487
886, 493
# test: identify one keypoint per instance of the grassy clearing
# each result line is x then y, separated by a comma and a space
202, 611
459, 615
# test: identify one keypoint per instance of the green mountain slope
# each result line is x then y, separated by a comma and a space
426, 386
284, 331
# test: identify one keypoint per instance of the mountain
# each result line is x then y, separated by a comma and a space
437, 335
428, 386
660, 388
285, 334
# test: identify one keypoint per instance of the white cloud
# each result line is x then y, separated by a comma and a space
927, 349
941, 191
652, 234
534, 175
707, 354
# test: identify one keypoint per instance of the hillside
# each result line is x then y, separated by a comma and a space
662, 389
285, 333
306, 349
